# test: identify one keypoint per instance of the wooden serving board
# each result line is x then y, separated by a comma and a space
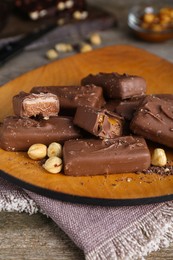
115, 189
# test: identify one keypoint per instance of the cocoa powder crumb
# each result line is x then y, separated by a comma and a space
164, 170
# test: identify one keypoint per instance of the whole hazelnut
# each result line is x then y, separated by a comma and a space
95, 39
53, 165
159, 157
54, 149
37, 151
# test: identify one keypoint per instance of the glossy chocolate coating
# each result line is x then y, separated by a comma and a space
31, 104
124, 108
154, 120
71, 97
18, 134
95, 157
167, 97
116, 85
98, 122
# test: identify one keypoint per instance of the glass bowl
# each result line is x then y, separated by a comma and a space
152, 23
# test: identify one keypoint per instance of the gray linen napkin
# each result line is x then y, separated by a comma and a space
101, 232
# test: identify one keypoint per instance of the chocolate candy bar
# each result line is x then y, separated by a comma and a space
98, 122
154, 120
167, 97
116, 85
18, 134
71, 97
27, 105
94, 157
124, 108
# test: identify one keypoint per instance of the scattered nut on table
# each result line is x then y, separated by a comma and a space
52, 54
78, 15
85, 47
95, 39
61, 6
54, 149
159, 157
63, 47
53, 165
37, 151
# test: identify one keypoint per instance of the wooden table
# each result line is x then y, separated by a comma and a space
37, 237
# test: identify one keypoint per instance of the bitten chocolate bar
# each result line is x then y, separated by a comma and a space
98, 122
95, 157
154, 120
18, 134
71, 97
30, 104
116, 85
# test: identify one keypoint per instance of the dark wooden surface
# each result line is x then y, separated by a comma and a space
36, 237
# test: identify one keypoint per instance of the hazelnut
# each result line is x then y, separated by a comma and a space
52, 54
69, 47
61, 6
69, 4
34, 15
53, 165
84, 15
85, 47
159, 157
159, 21
63, 47
95, 39
156, 27
78, 15
54, 149
149, 18
37, 151
43, 13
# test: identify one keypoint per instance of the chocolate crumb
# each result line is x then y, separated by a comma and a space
164, 170
129, 179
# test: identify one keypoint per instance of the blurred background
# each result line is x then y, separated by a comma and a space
45, 24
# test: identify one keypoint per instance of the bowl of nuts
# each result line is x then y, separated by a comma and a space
152, 23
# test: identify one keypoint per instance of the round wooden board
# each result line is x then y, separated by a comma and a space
115, 189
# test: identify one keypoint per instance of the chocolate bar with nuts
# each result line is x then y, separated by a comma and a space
117, 85
18, 134
154, 120
71, 97
96, 157
30, 104
99, 122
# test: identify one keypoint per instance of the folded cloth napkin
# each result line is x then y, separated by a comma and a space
101, 232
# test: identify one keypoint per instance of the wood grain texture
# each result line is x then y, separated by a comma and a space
159, 77
37, 237
34, 237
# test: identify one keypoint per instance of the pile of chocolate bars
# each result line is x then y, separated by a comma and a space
101, 124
